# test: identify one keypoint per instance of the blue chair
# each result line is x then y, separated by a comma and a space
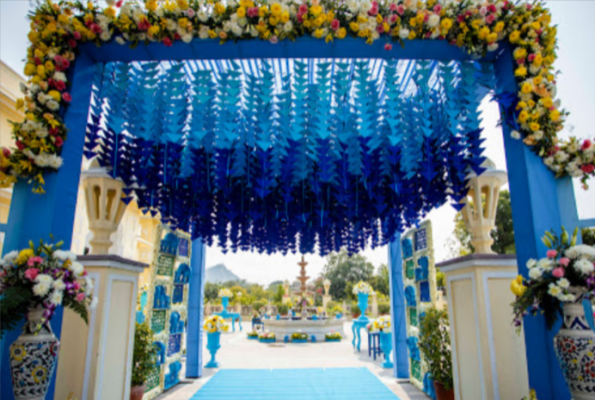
374, 344
257, 322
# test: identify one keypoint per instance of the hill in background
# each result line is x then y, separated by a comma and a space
220, 274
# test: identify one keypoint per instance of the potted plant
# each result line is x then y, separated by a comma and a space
253, 335
143, 359
267, 337
333, 337
555, 287
33, 283
362, 290
299, 337
214, 325
434, 343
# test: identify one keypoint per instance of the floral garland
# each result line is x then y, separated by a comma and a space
58, 28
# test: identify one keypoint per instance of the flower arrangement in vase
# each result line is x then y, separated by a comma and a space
362, 290
214, 325
253, 335
267, 337
333, 337
434, 343
33, 283
556, 286
299, 337
225, 293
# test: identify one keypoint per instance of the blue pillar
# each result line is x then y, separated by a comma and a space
196, 296
397, 309
539, 202
34, 216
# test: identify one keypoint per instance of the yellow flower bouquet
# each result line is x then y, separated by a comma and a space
215, 323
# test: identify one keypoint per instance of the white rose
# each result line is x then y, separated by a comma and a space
515, 135
202, 16
203, 33
563, 283
288, 27
171, 25
105, 36
236, 29
403, 33
120, 40
53, 105
187, 38
434, 20
493, 46
55, 161
10, 257
353, 6
44, 278
535, 273
77, 268
41, 289
585, 266
59, 284
581, 250
56, 297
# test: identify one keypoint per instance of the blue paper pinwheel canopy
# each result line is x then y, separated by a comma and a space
293, 154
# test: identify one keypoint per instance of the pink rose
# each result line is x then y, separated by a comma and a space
531, 57
76, 285
492, 8
72, 43
373, 10
564, 261
190, 13
335, 24
31, 273
274, 39
77, 35
6, 152
393, 18
96, 28
483, 11
388, 47
59, 142
80, 297
31, 261
393, 7
490, 19
586, 144
303, 9
558, 272
253, 12
437, 8
20, 145
588, 168
551, 253
400, 9
167, 41
119, 3
66, 97
60, 85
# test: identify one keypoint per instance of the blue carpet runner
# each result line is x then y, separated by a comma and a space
295, 384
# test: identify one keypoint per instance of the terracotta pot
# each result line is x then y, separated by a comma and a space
137, 392
442, 393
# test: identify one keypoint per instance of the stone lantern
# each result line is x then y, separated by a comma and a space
327, 286
104, 206
480, 217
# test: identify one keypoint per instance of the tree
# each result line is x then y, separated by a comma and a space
503, 232
340, 269
380, 281
211, 291
279, 293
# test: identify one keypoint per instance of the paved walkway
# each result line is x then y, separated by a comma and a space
238, 352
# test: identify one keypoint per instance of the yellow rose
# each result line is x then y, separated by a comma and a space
151, 5
55, 94
183, 4
499, 27
328, 38
523, 115
534, 126
379, 18
341, 33
521, 71
514, 37
263, 11
285, 17
483, 33
30, 69
420, 18
526, 87
354, 26
219, 8
492, 37
315, 10
273, 20
318, 33
41, 71
547, 102
517, 287
412, 35
154, 30
110, 12
555, 115
212, 34
446, 23
538, 60
241, 12
276, 9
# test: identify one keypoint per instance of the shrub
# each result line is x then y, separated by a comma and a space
143, 357
383, 308
282, 309
258, 304
299, 336
434, 343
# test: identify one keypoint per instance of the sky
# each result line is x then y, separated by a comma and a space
576, 89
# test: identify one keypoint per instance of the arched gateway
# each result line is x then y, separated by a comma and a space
294, 146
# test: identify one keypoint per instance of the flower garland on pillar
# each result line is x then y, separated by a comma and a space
58, 28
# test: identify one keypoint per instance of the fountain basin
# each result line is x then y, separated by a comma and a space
318, 328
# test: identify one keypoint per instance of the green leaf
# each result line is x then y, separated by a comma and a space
14, 305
